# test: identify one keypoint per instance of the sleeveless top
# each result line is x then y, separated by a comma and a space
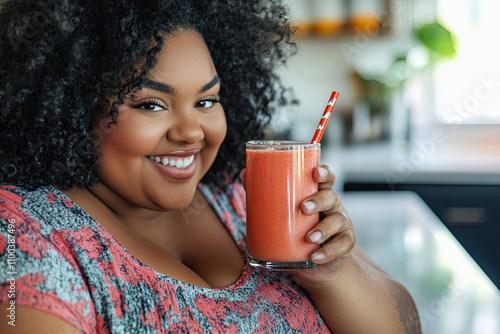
56, 258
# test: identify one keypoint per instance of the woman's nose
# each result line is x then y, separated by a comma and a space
185, 128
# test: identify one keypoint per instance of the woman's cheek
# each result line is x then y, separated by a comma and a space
216, 128
139, 135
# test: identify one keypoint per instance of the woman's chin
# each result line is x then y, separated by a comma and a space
178, 202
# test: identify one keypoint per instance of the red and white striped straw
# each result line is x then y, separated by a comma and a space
324, 119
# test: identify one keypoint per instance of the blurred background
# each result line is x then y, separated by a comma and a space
419, 105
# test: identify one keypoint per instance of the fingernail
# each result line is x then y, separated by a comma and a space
309, 205
318, 256
322, 172
315, 236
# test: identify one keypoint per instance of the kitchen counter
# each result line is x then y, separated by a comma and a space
404, 237
423, 163
459, 179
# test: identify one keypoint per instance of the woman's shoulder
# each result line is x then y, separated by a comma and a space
39, 241
11, 194
24, 196
39, 207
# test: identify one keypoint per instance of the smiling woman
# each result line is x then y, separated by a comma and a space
174, 117
139, 226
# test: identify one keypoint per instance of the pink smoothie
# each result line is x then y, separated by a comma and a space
276, 183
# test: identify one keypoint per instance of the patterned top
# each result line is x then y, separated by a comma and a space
56, 258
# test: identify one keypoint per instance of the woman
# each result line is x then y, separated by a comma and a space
120, 188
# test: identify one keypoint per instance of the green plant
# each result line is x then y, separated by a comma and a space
437, 39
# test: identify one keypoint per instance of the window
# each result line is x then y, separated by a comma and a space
467, 88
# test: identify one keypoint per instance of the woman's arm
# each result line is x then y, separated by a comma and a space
360, 298
351, 293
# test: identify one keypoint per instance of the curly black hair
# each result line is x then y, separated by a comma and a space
61, 60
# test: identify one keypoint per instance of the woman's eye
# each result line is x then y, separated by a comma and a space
209, 103
150, 106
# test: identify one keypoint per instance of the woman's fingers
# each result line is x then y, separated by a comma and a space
324, 176
326, 198
338, 246
332, 225
334, 232
325, 201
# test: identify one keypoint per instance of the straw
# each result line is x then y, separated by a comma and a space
324, 119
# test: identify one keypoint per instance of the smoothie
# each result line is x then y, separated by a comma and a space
278, 179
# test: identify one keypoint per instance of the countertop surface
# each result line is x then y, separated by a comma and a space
404, 237
422, 163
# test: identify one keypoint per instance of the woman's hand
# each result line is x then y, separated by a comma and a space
334, 232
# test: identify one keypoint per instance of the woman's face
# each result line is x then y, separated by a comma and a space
168, 134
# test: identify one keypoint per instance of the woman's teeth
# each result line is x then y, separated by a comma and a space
181, 163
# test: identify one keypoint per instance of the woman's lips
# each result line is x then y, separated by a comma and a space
173, 161
176, 166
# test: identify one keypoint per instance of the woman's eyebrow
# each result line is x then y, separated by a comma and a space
158, 86
213, 82
167, 89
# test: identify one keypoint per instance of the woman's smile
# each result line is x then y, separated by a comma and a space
174, 162
177, 165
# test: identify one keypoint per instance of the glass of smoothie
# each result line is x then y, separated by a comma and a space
279, 176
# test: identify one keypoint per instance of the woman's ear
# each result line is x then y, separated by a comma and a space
103, 121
